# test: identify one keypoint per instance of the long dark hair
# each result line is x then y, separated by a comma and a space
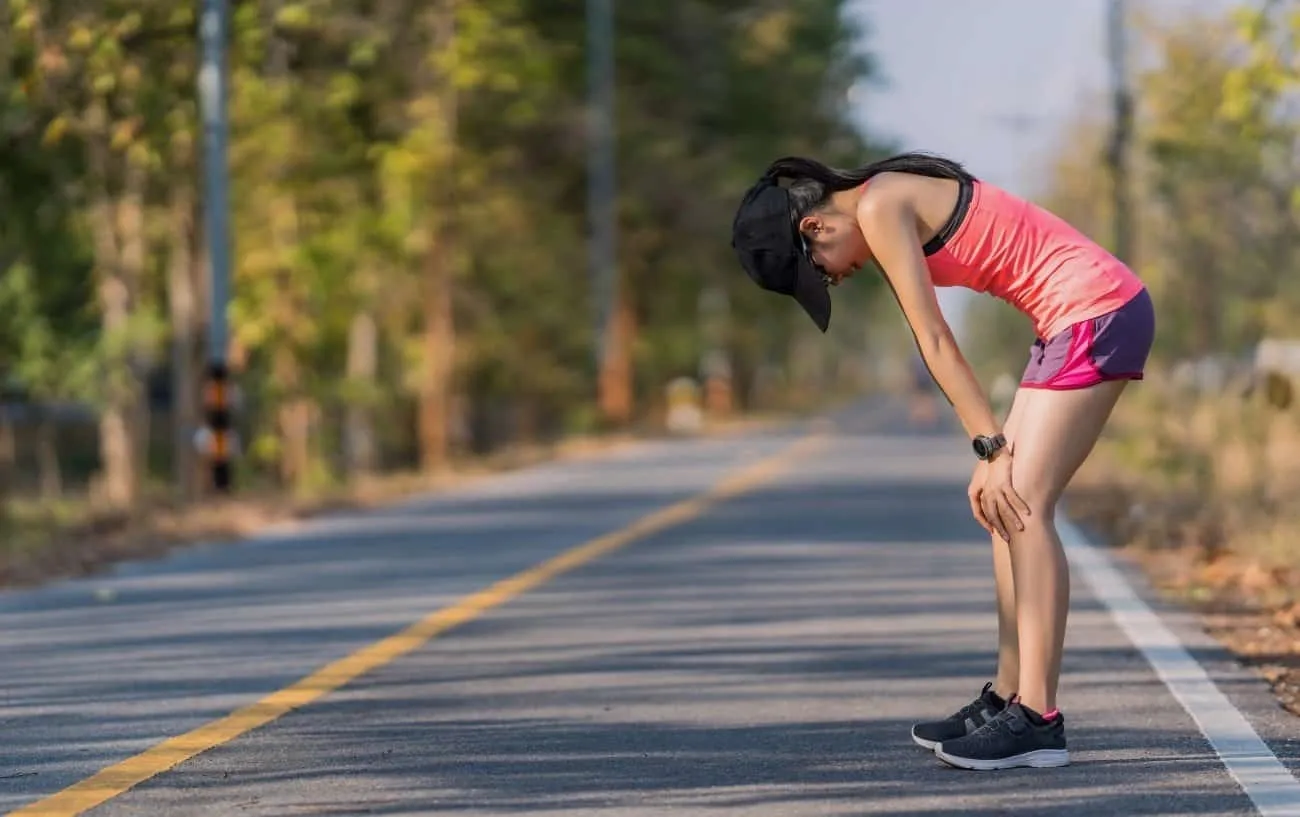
813, 182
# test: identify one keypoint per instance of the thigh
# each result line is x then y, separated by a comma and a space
1055, 431
1019, 403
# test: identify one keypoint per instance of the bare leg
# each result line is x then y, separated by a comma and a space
1008, 677
1055, 433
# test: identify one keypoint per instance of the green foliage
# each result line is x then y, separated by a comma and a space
366, 137
1216, 169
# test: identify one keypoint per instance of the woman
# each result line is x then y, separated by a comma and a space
926, 222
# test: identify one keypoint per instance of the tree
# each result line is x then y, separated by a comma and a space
409, 218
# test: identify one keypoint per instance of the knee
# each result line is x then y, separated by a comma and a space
1039, 494
1040, 519
1042, 506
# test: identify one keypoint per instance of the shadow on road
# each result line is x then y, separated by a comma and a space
770, 654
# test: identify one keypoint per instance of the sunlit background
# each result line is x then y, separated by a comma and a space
1002, 81
399, 251
410, 278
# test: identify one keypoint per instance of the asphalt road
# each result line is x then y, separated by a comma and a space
765, 656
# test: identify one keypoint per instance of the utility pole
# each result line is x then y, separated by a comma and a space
601, 184
218, 392
1122, 129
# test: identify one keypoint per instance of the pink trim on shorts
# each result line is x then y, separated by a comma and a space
1079, 371
1113, 346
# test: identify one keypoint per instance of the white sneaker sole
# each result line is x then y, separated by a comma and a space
923, 743
1037, 759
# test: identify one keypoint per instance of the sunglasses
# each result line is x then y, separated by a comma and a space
807, 251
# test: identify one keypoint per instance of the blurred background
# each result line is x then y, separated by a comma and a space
439, 251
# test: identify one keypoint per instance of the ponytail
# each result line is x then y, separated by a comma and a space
814, 182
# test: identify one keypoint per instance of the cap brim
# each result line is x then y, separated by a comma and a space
812, 293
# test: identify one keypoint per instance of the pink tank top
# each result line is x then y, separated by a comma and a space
1030, 258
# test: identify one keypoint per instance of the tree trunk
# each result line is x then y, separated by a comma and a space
439, 278
47, 456
295, 428
616, 386
8, 460
117, 231
295, 409
115, 439
116, 451
294, 419
439, 337
182, 308
363, 364
527, 420
130, 225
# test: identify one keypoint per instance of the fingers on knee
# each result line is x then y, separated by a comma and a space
1041, 502
1036, 491
1041, 505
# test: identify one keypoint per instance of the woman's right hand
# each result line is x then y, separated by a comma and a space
975, 490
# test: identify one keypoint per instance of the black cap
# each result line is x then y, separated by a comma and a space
766, 238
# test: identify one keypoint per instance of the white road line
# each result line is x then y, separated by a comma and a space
1274, 790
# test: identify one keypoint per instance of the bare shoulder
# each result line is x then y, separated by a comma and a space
887, 195
894, 198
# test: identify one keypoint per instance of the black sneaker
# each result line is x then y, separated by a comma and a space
1009, 740
962, 722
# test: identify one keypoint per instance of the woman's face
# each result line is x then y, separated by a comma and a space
836, 243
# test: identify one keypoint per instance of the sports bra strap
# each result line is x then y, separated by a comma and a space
965, 192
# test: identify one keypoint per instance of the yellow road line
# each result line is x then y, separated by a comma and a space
121, 777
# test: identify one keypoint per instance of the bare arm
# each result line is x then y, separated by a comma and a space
889, 225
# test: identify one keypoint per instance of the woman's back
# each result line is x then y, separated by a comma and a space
1029, 257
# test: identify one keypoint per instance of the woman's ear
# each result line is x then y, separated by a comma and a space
811, 225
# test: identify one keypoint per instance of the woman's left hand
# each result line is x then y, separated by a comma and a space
1002, 506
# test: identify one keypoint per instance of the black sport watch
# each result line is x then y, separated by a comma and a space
986, 446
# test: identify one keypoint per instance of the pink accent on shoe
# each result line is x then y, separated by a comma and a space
1051, 715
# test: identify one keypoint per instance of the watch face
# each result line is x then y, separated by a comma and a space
981, 447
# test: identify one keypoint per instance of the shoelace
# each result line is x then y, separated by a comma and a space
977, 705
971, 708
1000, 725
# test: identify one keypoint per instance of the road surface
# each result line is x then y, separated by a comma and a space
761, 650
